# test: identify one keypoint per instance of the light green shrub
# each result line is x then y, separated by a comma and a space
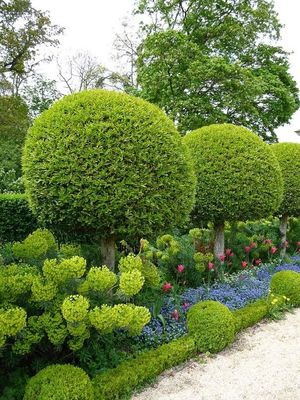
60, 382
250, 314
107, 163
212, 326
287, 283
239, 177
131, 283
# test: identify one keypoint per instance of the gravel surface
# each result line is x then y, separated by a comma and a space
262, 364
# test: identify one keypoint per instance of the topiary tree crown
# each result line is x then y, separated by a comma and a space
110, 164
239, 177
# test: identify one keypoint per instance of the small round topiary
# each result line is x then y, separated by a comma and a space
239, 177
212, 325
60, 382
110, 164
287, 283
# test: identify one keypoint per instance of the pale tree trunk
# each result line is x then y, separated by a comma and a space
219, 240
108, 252
283, 231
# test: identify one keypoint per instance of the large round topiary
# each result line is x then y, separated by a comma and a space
287, 283
60, 382
239, 177
288, 155
212, 325
108, 163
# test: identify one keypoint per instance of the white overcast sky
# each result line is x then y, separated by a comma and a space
91, 25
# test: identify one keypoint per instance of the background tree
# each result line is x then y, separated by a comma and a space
288, 155
238, 176
110, 164
80, 72
23, 29
210, 61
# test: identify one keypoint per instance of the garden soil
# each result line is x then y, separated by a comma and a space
262, 364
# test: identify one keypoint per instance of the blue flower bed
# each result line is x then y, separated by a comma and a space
236, 292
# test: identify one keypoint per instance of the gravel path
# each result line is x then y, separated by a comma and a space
262, 364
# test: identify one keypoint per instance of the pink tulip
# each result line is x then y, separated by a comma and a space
175, 314
167, 287
211, 266
222, 258
247, 249
186, 306
258, 261
180, 268
268, 241
228, 252
273, 250
252, 245
244, 264
298, 244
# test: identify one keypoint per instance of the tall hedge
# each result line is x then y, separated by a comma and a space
16, 218
107, 163
239, 177
288, 155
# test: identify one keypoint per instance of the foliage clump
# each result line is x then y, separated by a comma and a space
60, 382
239, 177
107, 163
212, 326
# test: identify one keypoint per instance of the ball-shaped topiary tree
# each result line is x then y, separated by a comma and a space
239, 177
109, 164
288, 155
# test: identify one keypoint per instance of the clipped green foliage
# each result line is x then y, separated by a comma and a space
37, 246
287, 283
16, 218
288, 155
60, 382
250, 314
12, 321
131, 282
211, 324
239, 177
118, 382
107, 162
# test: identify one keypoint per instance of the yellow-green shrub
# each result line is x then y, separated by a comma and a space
287, 283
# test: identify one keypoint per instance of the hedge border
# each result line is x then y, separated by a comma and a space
131, 374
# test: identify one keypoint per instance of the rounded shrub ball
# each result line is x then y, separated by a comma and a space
239, 177
212, 325
287, 283
288, 155
60, 382
109, 163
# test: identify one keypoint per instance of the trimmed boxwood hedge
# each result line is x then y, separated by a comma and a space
115, 383
16, 218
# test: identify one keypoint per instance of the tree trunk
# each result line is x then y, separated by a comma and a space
219, 240
108, 252
283, 230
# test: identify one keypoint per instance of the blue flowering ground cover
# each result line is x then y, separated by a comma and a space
235, 292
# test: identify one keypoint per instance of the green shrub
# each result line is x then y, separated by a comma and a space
16, 218
250, 315
211, 324
36, 247
115, 383
107, 163
287, 283
60, 382
288, 155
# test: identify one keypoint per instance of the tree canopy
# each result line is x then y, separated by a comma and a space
214, 62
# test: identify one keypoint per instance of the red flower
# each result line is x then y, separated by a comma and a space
258, 261
252, 245
273, 250
211, 266
167, 287
247, 249
285, 244
222, 258
231, 255
298, 244
175, 314
268, 241
180, 268
244, 264
186, 306
228, 252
